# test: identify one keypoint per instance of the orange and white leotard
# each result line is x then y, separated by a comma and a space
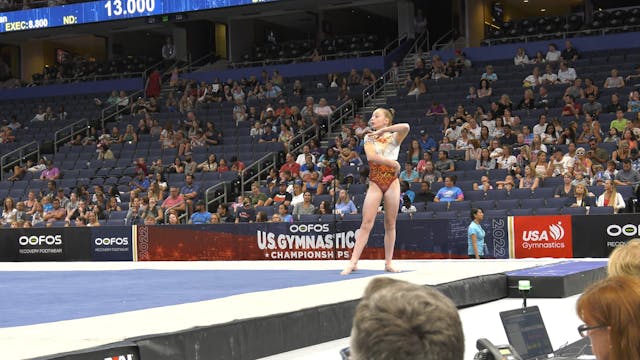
386, 146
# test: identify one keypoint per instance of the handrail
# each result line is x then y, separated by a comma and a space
560, 34
117, 112
185, 215
420, 40
273, 156
193, 63
343, 111
223, 196
73, 129
441, 39
88, 78
327, 57
303, 135
390, 46
22, 153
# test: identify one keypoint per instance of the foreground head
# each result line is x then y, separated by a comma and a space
625, 259
399, 320
609, 309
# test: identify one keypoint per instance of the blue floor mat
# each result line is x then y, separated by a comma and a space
33, 297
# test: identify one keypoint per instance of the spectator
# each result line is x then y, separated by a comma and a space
58, 213
529, 180
489, 75
444, 164
592, 107
612, 136
282, 196
426, 142
485, 162
425, 195
51, 172
305, 207
258, 198
190, 191
209, 165
484, 89
344, 205
201, 216
246, 213
544, 99
436, 109
139, 184
590, 88
571, 108
615, 105
565, 189
323, 109
627, 176
553, 54
417, 87
614, 81
633, 105
566, 74
569, 53
485, 184
175, 201
534, 79
283, 211
9, 211
430, 174
521, 57
620, 122
580, 197
449, 192
611, 197
409, 174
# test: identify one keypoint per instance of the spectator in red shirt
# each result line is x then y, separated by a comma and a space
291, 165
174, 201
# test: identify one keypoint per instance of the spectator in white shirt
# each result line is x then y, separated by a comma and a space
521, 57
553, 54
549, 77
566, 74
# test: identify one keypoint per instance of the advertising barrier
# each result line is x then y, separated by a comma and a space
112, 243
540, 236
417, 239
598, 235
67, 244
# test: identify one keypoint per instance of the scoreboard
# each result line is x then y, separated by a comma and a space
106, 10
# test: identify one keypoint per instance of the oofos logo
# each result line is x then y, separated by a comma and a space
111, 241
40, 240
305, 228
625, 230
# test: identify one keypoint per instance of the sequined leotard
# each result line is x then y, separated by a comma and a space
387, 147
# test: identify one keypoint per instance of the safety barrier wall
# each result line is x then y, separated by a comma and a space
557, 236
93, 87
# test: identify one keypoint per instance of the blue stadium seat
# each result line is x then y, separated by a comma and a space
601, 210
520, 194
437, 206
574, 211
556, 202
547, 211
532, 203
460, 206
520, 212
474, 195
495, 213
497, 195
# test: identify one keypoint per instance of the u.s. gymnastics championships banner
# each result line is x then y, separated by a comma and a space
416, 239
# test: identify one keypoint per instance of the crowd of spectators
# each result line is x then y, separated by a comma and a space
580, 151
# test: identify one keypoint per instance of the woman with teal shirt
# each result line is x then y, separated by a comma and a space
475, 235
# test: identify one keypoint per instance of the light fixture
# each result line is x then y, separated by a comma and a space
525, 1
543, 10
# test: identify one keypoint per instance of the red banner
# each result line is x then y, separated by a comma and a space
541, 236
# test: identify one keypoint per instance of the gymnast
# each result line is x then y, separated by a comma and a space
381, 146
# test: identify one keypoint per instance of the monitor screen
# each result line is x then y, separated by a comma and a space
526, 332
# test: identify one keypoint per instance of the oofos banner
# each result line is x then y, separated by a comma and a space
598, 235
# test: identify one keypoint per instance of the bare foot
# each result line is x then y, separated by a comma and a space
389, 268
349, 269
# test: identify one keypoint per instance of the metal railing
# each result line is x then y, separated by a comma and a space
303, 139
211, 197
68, 132
300, 59
105, 114
183, 216
342, 112
394, 44
443, 41
17, 156
559, 35
258, 168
